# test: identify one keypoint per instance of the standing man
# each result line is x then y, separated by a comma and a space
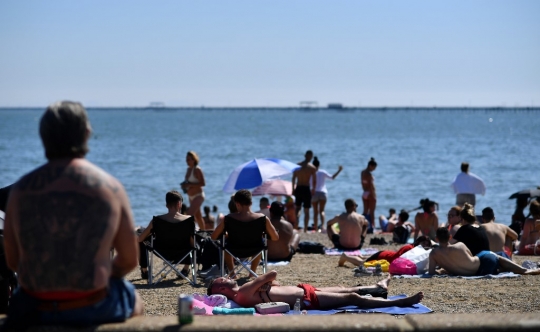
352, 228
301, 189
62, 221
466, 185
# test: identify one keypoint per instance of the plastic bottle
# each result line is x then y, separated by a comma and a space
297, 310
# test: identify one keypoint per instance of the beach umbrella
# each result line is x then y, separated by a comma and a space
255, 172
274, 187
526, 193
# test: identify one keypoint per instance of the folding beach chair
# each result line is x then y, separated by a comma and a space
174, 244
244, 242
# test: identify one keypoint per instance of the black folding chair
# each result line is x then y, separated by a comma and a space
174, 244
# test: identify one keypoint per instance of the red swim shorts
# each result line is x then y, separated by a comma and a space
310, 299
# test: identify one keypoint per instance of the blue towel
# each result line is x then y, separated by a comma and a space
236, 311
415, 309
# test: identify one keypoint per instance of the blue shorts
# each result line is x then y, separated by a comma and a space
489, 263
384, 224
116, 307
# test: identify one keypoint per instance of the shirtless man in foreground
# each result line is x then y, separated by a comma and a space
62, 220
301, 189
500, 236
457, 259
352, 228
284, 248
265, 288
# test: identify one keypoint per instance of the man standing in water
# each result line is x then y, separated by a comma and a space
62, 221
466, 185
301, 189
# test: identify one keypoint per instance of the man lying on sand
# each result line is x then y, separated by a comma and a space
265, 289
458, 260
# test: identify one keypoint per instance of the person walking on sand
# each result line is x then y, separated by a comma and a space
193, 183
352, 228
466, 185
457, 259
301, 186
319, 199
369, 196
62, 221
265, 288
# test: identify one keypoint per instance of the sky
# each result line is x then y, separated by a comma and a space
270, 53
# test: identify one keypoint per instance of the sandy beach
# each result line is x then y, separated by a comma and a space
442, 295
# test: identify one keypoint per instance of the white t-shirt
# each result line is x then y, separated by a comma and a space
322, 175
468, 183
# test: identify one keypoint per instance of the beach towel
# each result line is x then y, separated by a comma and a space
415, 309
280, 263
488, 276
201, 308
358, 252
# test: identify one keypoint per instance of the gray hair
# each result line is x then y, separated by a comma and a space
64, 130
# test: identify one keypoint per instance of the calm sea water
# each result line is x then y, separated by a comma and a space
418, 152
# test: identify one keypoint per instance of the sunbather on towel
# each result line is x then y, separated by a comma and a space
457, 259
388, 255
265, 289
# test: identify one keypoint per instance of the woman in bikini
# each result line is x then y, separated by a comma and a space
428, 221
192, 185
369, 196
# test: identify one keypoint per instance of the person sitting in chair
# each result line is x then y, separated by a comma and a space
352, 228
244, 230
173, 202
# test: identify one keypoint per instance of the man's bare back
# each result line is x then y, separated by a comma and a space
66, 216
281, 248
352, 227
499, 235
304, 174
455, 259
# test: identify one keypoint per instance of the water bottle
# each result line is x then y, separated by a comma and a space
297, 310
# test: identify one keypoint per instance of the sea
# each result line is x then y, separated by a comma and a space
418, 151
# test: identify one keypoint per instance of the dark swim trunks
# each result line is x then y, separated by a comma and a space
303, 195
489, 263
310, 299
337, 244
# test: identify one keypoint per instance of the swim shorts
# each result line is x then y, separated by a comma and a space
337, 244
319, 196
117, 306
489, 263
303, 195
310, 299
384, 224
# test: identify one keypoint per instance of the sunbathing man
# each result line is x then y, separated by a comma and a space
500, 236
284, 248
265, 289
352, 228
457, 259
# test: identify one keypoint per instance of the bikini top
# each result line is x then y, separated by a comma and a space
192, 178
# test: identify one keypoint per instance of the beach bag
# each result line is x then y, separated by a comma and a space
310, 247
272, 308
385, 265
420, 257
402, 266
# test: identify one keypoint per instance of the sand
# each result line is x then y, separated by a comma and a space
442, 295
